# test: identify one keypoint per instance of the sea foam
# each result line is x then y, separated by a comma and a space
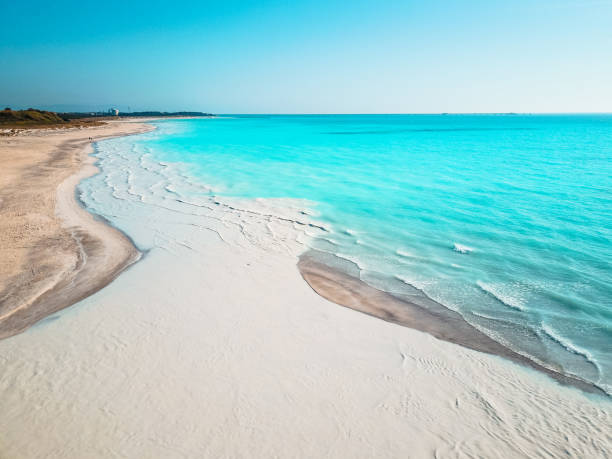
501, 294
462, 248
570, 346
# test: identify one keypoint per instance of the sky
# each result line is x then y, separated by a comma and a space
308, 56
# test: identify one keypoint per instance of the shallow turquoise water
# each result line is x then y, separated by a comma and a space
506, 219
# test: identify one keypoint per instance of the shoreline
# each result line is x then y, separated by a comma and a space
103, 252
440, 322
71, 253
214, 345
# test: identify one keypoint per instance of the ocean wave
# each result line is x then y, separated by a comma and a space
170, 189
462, 248
352, 259
498, 292
323, 238
483, 315
417, 284
570, 346
404, 253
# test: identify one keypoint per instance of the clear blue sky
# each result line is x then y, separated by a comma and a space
310, 56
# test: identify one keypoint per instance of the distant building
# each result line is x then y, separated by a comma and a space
114, 112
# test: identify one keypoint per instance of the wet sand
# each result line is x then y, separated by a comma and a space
437, 320
52, 252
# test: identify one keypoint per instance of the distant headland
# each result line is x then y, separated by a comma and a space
34, 118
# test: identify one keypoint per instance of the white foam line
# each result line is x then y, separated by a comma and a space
569, 346
506, 300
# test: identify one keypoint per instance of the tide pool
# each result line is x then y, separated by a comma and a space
503, 218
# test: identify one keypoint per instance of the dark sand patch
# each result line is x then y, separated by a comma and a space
437, 320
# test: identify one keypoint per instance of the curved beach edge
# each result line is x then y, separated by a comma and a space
84, 256
438, 321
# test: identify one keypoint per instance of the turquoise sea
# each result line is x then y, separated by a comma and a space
506, 219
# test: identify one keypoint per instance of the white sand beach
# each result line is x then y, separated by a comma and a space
212, 345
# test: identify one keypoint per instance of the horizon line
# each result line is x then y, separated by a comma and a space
325, 114
413, 113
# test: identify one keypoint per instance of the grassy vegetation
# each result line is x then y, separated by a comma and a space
12, 121
29, 118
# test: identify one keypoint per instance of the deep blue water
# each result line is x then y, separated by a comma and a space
504, 218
